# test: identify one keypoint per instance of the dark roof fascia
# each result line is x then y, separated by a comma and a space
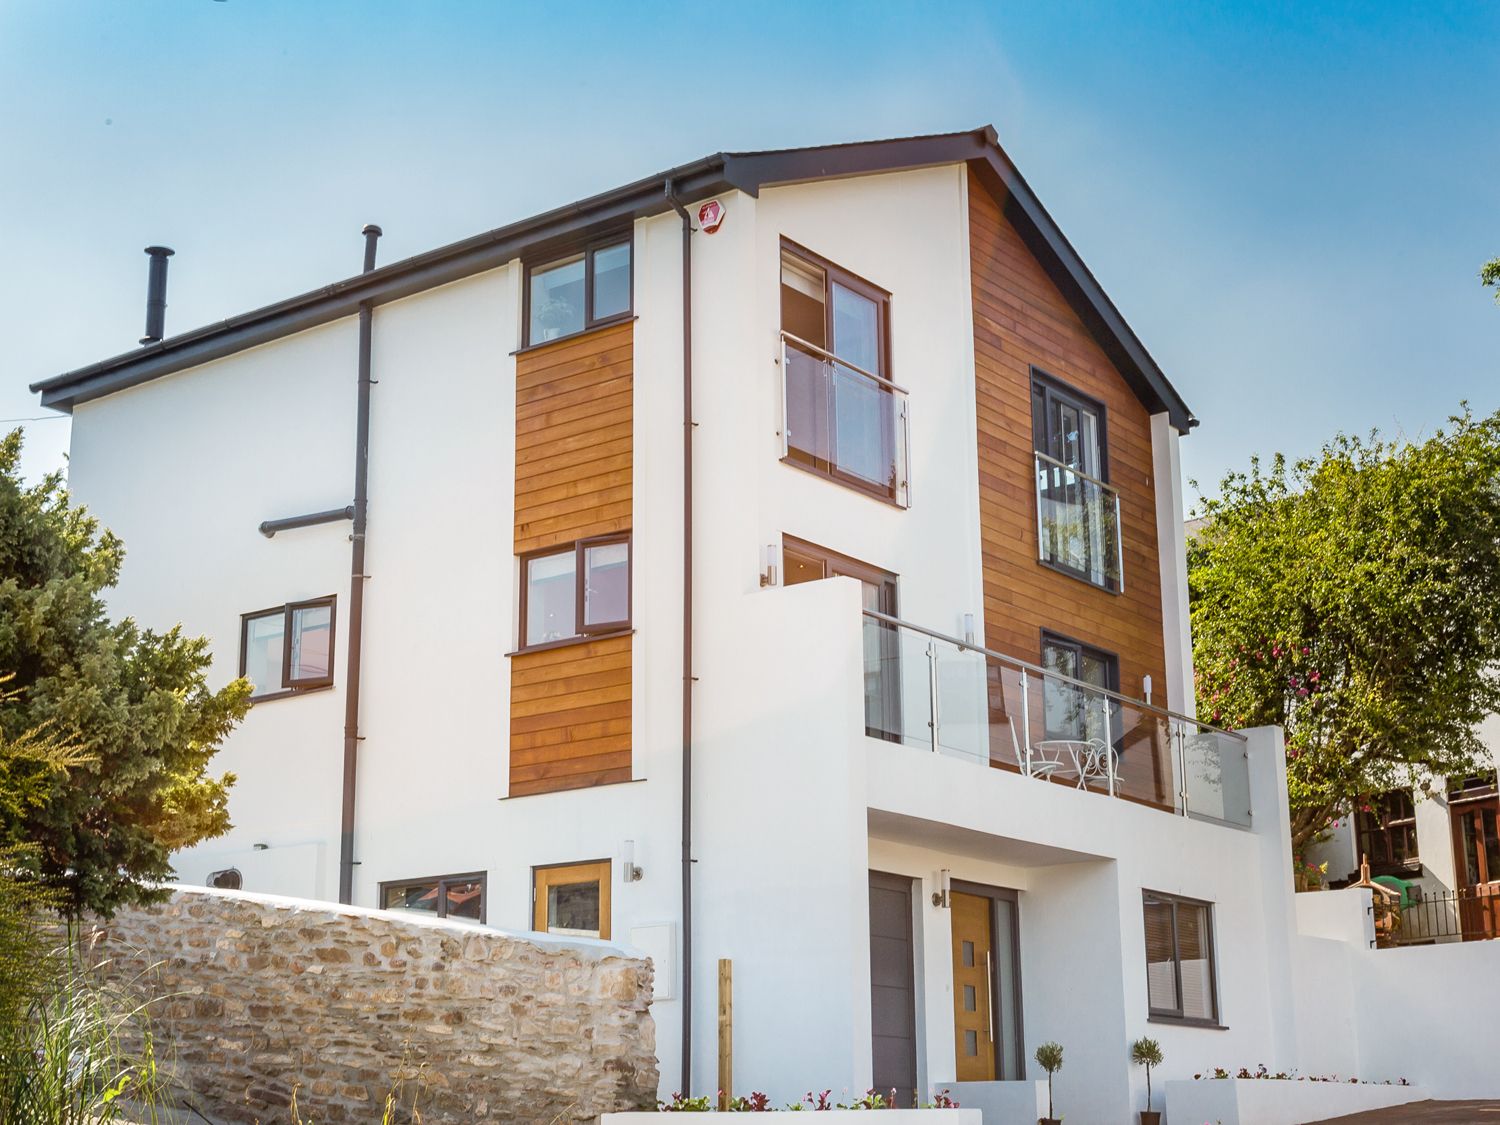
1080, 288
746, 171
428, 270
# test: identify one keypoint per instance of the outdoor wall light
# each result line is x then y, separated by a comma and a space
968, 628
768, 566
627, 861
945, 884
1146, 687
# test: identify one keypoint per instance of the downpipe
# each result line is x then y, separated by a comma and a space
687, 636
355, 646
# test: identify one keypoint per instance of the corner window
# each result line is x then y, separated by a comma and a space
1078, 513
289, 648
581, 291
445, 896
573, 591
1180, 977
572, 899
1074, 712
843, 417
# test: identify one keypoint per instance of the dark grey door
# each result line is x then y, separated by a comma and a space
893, 996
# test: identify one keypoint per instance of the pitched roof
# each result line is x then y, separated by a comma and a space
701, 179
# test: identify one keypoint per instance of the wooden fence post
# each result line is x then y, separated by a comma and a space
726, 1033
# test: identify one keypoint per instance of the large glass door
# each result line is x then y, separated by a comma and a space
1476, 845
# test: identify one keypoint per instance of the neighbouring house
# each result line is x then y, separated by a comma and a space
1436, 845
779, 559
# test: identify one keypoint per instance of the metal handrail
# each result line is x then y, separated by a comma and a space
1111, 489
831, 358
1040, 671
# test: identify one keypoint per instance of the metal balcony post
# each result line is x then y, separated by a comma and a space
1109, 746
1180, 736
1026, 721
932, 691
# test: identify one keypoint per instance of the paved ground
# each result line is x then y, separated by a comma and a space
1449, 1113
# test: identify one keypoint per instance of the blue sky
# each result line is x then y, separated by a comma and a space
1289, 202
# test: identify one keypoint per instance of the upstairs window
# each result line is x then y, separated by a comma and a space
289, 648
1180, 978
842, 417
582, 291
1078, 513
1070, 711
582, 589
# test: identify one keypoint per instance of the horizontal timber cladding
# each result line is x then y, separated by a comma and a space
1021, 321
570, 707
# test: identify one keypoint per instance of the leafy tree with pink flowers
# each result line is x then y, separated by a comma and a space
1354, 599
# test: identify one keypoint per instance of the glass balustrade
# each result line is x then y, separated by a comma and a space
938, 693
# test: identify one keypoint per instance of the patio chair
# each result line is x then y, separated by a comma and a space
1042, 765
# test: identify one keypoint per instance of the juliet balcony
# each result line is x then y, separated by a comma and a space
944, 695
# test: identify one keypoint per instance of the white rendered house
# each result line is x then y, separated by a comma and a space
776, 559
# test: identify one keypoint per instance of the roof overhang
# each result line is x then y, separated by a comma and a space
745, 171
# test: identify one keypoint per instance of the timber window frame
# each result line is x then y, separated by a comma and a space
442, 886
843, 418
546, 878
586, 254
583, 628
1386, 829
1176, 905
292, 681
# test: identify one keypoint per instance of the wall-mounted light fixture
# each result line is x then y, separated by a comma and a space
768, 566
1146, 687
944, 884
968, 628
261, 847
627, 861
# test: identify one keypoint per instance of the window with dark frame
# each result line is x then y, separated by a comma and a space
583, 290
1068, 710
446, 896
1181, 980
843, 415
1387, 832
578, 589
289, 648
1077, 509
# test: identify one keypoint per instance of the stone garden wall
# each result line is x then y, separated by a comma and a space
262, 994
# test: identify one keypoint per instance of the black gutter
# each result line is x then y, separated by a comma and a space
357, 576
377, 287
713, 175
688, 678
269, 528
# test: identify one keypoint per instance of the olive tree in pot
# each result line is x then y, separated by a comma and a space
1147, 1053
1049, 1058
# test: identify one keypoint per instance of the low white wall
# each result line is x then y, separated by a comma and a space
1426, 1013
1270, 1101
1340, 915
1003, 1103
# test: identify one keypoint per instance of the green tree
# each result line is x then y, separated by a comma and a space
131, 704
1489, 275
1354, 599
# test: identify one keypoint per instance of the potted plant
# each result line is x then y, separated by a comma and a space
1049, 1058
1147, 1053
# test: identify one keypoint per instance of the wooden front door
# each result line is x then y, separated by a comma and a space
973, 990
1476, 847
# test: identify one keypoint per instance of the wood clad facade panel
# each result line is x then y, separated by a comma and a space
570, 707
1021, 320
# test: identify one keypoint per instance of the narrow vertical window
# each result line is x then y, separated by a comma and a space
310, 651
606, 585
551, 604
1180, 975
261, 648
